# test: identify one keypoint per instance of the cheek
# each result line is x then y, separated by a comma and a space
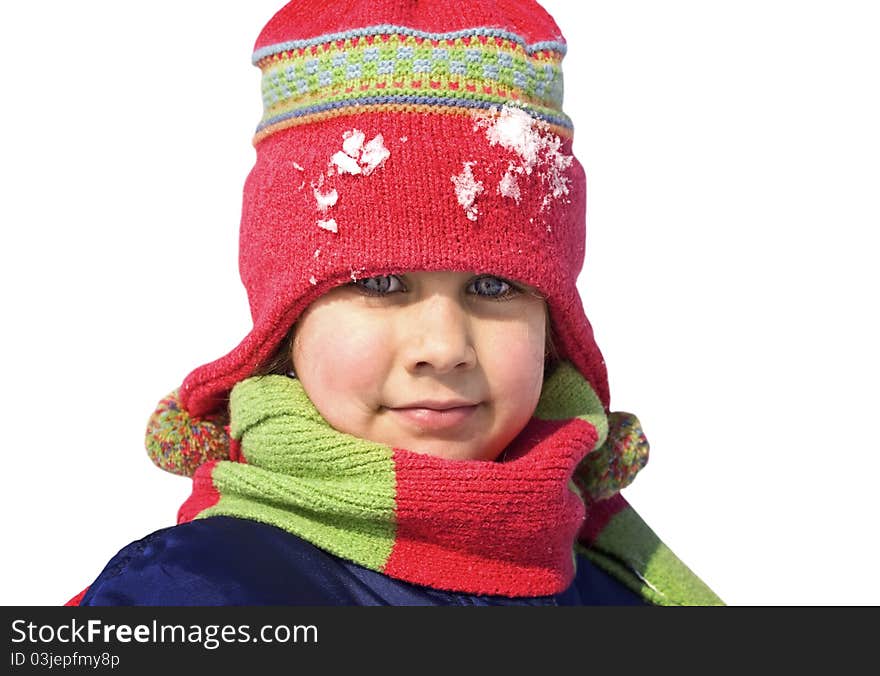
339, 358
514, 362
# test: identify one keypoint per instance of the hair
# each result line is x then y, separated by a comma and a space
281, 361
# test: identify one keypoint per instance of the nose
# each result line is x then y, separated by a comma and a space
438, 336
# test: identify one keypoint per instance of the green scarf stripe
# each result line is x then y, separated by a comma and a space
628, 549
566, 395
337, 491
347, 526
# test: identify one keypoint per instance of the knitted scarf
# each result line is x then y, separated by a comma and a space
503, 528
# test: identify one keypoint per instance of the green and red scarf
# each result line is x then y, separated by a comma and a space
504, 528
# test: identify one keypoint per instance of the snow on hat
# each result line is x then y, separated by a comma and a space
397, 136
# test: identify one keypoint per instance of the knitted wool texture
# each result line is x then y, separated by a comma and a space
479, 527
400, 136
471, 526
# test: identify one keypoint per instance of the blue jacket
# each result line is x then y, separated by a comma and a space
212, 562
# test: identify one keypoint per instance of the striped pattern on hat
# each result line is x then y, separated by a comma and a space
397, 68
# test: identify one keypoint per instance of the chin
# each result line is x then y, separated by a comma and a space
454, 453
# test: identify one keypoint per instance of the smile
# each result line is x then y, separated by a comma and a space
436, 419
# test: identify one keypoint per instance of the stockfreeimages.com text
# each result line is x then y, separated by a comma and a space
210, 636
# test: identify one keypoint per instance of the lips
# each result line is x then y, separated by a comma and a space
437, 416
438, 405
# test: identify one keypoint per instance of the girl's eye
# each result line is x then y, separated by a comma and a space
380, 285
487, 286
492, 287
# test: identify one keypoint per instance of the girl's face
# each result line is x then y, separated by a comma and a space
445, 363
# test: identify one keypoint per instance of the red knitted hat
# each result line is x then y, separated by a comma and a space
401, 135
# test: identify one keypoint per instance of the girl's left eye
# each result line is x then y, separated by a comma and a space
380, 285
492, 287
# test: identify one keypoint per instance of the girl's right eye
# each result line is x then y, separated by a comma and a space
381, 285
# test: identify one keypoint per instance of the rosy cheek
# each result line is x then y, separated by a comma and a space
342, 360
514, 365
523, 366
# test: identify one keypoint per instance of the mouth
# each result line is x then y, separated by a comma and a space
435, 417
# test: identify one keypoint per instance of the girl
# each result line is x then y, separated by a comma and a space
420, 413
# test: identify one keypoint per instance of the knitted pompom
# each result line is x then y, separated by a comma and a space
179, 443
614, 465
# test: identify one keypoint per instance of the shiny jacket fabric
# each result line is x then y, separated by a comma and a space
225, 561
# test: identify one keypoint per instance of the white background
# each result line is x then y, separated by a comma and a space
732, 156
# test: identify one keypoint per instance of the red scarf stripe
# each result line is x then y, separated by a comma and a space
204, 494
601, 512
75, 601
514, 534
